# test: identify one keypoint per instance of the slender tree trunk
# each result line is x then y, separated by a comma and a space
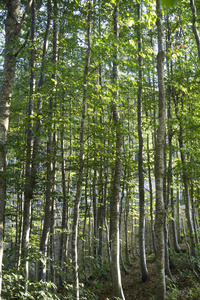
160, 141
84, 228
81, 161
101, 216
151, 197
48, 204
20, 227
32, 170
27, 190
188, 213
50, 163
194, 212
120, 231
53, 213
143, 265
178, 215
126, 219
95, 214
65, 209
170, 192
12, 30
194, 26
174, 228
114, 205
187, 195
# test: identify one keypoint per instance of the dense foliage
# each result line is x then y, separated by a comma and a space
46, 156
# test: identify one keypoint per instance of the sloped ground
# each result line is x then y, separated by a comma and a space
186, 286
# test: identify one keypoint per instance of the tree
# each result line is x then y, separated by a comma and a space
33, 141
114, 205
81, 159
194, 26
145, 276
49, 204
12, 30
159, 172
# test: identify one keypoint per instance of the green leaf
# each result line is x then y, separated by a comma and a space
169, 3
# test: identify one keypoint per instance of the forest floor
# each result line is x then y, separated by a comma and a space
185, 285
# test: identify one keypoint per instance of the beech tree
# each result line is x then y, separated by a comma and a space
12, 49
81, 158
160, 141
114, 209
145, 276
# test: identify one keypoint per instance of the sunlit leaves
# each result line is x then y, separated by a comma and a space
169, 3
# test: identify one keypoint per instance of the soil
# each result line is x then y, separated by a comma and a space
185, 285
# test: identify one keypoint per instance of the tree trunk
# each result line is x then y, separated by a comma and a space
143, 265
151, 197
194, 212
160, 141
32, 173
81, 161
120, 231
114, 204
126, 219
84, 229
50, 163
188, 213
65, 208
194, 26
12, 30
29, 139
95, 214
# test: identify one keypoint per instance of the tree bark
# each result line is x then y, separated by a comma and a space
143, 265
114, 205
31, 173
50, 163
29, 138
12, 30
81, 160
65, 208
160, 141
126, 219
151, 198
194, 26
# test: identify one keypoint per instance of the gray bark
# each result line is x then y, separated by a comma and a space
185, 178
151, 197
194, 26
170, 192
81, 160
32, 169
160, 141
143, 265
27, 190
114, 205
65, 210
50, 163
120, 225
84, 229
174, 227
12, 30
126, 218
95, 214
187, 195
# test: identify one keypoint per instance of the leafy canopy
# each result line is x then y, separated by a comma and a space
169, 3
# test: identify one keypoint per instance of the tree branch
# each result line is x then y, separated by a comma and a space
23, 45
24, 15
